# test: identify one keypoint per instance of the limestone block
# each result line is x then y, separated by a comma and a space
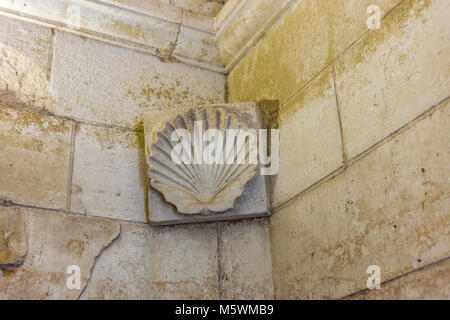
99, 82
252, 203
109, 178
24, 63
394, 74
13, 239
208, 8
34, 158
123, 269
150, 31
197, 45
184, 262
310, 139
56, 241
30, 40
389, 208
307, 38
245, 261
430, 283
198, 21
242, 23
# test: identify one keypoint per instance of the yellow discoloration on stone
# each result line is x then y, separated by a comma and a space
44, 141
55, 242
393, 74
310, 142
22, 82
386, 209
115, 157
134, 31
13, 239
310, 36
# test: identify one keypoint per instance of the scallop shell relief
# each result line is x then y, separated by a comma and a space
177, 166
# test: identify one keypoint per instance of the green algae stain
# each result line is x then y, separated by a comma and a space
134, 31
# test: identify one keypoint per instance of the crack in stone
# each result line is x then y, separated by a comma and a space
91, 271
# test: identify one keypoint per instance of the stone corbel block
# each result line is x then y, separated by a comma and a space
190, 191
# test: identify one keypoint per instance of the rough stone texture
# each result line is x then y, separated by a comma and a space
184, 262
123, 270
205, 7
99, 82
394, 74
240, 24
430, 283
34, 158
13, 239
109, 173
245, 261
310, 140
311, 35
56, 241
200, 46
389, 208
28, 39
252, 203
24, 62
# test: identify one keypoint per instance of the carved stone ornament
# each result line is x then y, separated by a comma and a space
193, 166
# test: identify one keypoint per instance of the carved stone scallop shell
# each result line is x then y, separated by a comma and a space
200, 188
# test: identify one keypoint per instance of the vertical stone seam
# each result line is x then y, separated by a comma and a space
364, 153
333, 76
70, 173
174, 45
220, 272
399, 130
339, 55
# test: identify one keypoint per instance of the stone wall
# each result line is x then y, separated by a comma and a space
73, 181
364, 123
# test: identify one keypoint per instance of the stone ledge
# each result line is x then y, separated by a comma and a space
160, 29
151, 28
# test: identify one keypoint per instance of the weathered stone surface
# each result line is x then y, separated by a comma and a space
430, 283
13, 239
253, 202
34, 158
109, 173
56, 241
240, 24
24, 63
99, 82
123, 270
184, 262
310, 139
30, 40
311, 35
394, 74
204, 189
208, 8
389, 208
245, 261
197, 45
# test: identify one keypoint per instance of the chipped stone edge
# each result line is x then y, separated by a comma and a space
96, 258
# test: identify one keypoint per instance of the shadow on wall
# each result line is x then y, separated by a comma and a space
270, 112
